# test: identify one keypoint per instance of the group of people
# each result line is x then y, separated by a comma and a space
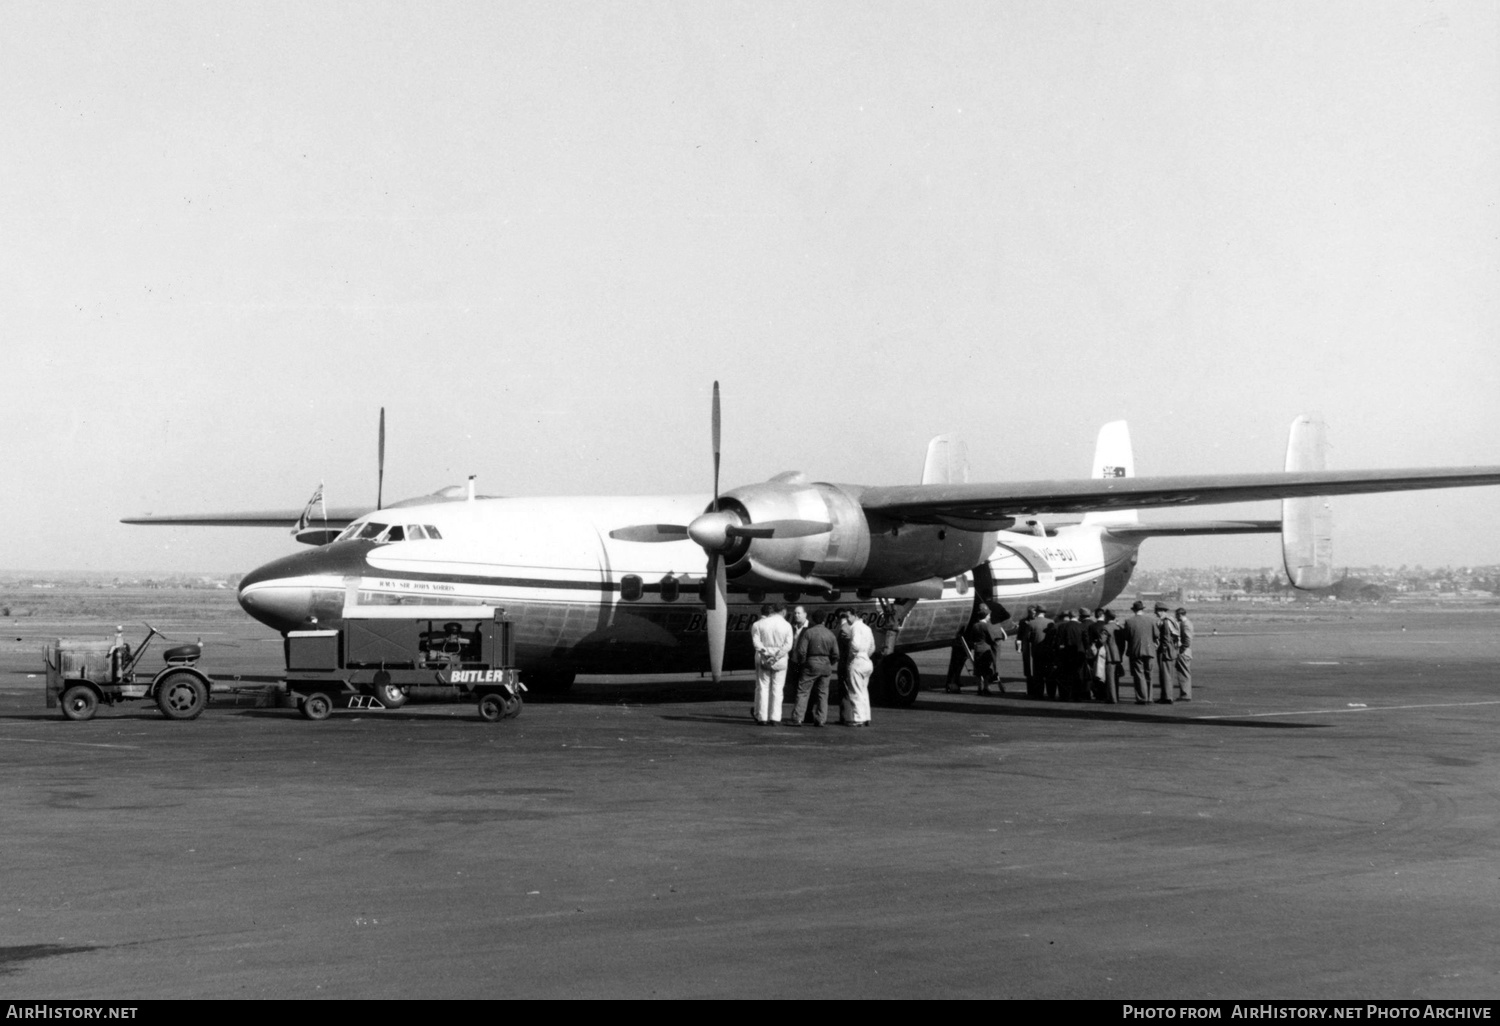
1083, 656
811, 656
1079, 657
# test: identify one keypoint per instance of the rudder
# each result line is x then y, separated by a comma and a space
1307, 523
1113, 457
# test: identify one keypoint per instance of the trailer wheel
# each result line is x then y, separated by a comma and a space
899, 683
492, 707
317, 705
79, 702
512, 706
181, 696
392, 696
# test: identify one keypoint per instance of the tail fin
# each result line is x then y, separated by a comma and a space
1307, 523
947, 461
1113, 458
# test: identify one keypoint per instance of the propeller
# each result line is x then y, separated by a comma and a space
380, 464
715, 587
716, 533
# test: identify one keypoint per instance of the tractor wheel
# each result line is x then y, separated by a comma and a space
181, 696
79, 702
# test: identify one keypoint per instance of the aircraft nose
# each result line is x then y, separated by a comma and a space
284, 592
284, 606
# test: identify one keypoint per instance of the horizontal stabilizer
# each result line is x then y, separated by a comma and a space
1187, 528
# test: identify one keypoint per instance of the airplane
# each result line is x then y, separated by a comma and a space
671, 583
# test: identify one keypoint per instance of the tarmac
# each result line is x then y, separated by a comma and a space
1322, 821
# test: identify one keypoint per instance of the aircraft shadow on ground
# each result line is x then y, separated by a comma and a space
1042, 709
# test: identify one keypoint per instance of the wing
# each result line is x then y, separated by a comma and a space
283, 518
989, 506
1187, 528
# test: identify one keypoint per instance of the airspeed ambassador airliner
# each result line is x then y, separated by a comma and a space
671, 583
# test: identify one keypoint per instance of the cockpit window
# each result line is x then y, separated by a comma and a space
394, 534
372, 529
432, 532
414, 532
348, 532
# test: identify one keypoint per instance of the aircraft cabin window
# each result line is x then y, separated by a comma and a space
432, 532
630, 587
372, 529
669, 588
414, 532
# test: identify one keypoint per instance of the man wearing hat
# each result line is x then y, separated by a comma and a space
1138, 639
1033, 635
982, 643
1168, 643
1071, 642
1185, 655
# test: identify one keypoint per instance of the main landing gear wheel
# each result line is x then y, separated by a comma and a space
900, 682
392, 696
79, 702
317, 706
181, 696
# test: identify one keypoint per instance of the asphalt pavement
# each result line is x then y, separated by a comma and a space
1321, 822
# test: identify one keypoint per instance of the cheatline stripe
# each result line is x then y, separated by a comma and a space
687, 587
1356, 709
610, 586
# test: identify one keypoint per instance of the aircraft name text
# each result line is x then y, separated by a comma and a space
415, 586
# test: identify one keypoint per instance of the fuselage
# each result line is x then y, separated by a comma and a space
586, 603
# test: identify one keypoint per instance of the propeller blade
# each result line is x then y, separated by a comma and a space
650, 533
710, 595
716, 598
779, 529
716, 447
380, 464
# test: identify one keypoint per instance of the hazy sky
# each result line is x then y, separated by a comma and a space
536, 233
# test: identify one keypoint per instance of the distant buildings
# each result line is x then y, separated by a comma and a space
1357, 584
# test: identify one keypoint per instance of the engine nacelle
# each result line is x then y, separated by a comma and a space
854, 552
840, 552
